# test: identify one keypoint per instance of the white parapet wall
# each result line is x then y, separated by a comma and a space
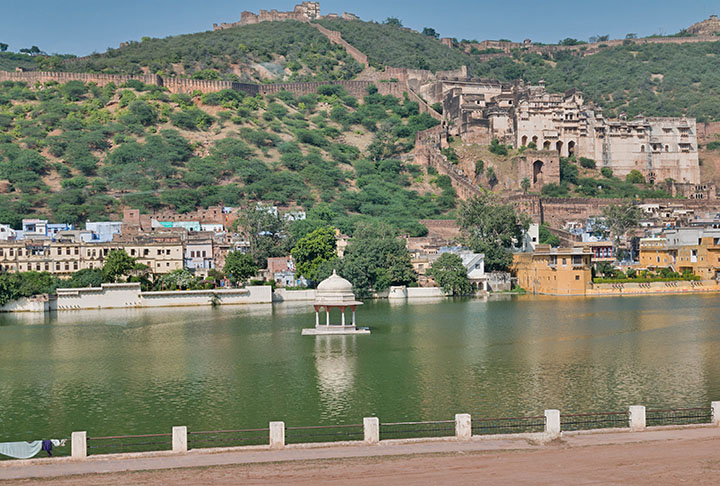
110, 296
402, 292
36, 303
284, 295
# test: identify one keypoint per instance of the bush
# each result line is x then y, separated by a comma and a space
497, 148
587, 163
635, 177
606, 172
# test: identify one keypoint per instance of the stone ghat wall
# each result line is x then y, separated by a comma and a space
110, 296
180, 85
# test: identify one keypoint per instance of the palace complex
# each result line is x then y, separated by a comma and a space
521, 115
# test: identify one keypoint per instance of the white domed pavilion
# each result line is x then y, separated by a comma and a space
335, 293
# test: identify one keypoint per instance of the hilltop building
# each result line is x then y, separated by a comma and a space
709, 26
303, 12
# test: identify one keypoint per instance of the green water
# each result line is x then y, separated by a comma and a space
143, 371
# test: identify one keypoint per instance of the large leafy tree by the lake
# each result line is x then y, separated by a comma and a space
449, 273
312, 250
376, 259
117, 264
490, 227
239, 266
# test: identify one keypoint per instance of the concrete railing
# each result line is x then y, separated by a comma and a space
551, 425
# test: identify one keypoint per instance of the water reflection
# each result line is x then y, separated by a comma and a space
336, 365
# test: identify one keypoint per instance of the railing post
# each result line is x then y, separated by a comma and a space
715, 412
277, 435
463, 426
371, 430
637, 417
179, 439
552, 424
79, 445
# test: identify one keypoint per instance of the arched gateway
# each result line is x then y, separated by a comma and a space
335, 293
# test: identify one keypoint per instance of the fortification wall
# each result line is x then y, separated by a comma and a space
182, 85
336, 38
97, 78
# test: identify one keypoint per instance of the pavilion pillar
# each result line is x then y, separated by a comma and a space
317, 318
353, 315
327, 316
342, 310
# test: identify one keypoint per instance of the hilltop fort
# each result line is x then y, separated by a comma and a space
303, 12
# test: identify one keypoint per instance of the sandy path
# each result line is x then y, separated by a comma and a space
689, 456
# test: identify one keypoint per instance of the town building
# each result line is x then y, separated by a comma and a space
554, 271
103, 231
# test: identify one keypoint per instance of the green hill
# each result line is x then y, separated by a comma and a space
281, 51
74, 152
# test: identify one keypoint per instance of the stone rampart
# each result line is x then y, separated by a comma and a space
336, 38
183, 85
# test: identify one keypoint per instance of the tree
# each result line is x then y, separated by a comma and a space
492, 228
430, 32
3, 47
117, 264
525, 184
266, 231
394, 21
87, 277
376, 259
450, 274
312, 250
620, 218
180, 279
547, 238
239, 266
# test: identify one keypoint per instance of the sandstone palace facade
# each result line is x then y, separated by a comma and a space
520, 115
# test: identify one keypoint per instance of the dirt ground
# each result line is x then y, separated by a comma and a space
674, 462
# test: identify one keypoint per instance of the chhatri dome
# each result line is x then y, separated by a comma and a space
335, 293
335, 290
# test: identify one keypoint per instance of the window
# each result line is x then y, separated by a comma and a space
77, 250
47, 266
11, 251
75, 266
57, 266
577, 277
204, 253
132, 252
67, 266
564, 260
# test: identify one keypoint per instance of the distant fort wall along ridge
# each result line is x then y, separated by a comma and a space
181, 85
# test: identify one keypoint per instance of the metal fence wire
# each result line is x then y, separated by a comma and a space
678, 416
129, 443
589, 421
324, 433
508, 425
228, 438
414, 430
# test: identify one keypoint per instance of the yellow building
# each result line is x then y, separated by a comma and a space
554, 271
701, 257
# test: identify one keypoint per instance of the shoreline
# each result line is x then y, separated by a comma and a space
636, 454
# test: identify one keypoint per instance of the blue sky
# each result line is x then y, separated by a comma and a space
84, 26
